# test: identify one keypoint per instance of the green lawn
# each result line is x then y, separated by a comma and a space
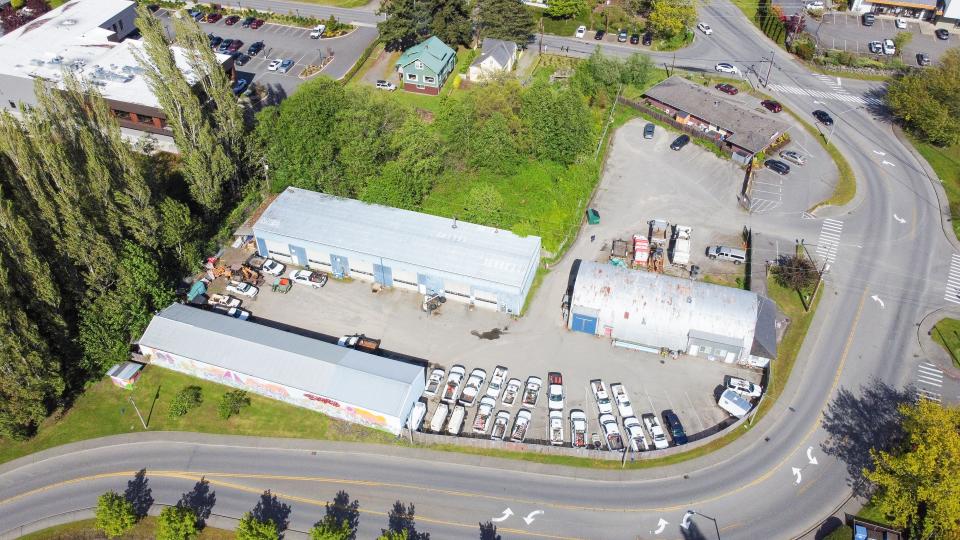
947, 334
790, 304
143, 530
562, 27
946, 163
104, 409
338, 3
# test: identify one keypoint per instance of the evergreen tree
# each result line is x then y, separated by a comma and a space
505, 19
450, 21
407, 23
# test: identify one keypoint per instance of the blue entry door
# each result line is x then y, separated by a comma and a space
340, 266
584, 323
299, 255
383, 275
262, 247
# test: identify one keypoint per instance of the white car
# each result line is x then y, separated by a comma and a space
495, 386
386, 85
275, 64
611, 432
724, 67
581, 31
554, 391
656, 431
241, 288
875, 47
434, 382
623, 400
638, 439
520, 425
705, 28
417, 414
318, 31
889, 48
555, 429
452, 389
815, 5
510, 393
306, 277
472, 389
900, 23
794, 157
600, 393
272, 267
742, 386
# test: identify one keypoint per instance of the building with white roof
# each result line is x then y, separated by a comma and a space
652, 311
91, 38
340, 382
487, 267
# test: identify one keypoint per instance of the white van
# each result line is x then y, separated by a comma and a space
318, 31
734, 255
734, 403
456, 420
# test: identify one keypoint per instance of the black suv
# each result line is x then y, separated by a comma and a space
255, 48
599, 35
777, 166
869, 19
647, 38
674, 427
680, 142
634, 39
823, 117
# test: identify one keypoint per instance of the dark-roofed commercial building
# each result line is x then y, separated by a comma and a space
651, 311
496, 56
487, 267
343, 383
738, 129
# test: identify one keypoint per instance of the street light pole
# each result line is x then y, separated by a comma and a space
685, 523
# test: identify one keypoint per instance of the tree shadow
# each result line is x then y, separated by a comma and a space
139, 494
488, 531
877, 105
827, 527
692, 532
200, 499
269, 508
402, 519
857, 423
153, 404
343, 510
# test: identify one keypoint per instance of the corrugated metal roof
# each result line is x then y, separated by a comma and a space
421, 240
656, 309
433, 52
375, 383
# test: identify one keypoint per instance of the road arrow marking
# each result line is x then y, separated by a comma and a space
530, 518
685, 522
885, 162
503, 517
877, 299
810, 458
879, 153
796, 472
899, 219
661, 525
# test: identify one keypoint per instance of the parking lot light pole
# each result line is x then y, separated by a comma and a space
834, 126
690, 513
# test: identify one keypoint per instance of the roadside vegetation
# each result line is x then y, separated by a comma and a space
146, 528
669, 21
947, 334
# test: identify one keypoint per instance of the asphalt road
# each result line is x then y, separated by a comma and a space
889, 261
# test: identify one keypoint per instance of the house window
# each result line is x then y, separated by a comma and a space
429, 80
144, 119
418, 65
411, 76
123, 115
419, 87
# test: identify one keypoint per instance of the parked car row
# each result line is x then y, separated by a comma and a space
623, 36
635, 430
737, 394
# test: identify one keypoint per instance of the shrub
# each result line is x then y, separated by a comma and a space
804, 48
231, 402
186, 399
114, 514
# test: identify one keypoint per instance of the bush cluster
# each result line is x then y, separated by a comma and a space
186, 399
232, 402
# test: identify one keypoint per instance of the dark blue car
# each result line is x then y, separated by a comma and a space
674, 427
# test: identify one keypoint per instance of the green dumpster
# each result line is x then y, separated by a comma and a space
593, 217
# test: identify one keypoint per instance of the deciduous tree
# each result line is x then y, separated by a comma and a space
670, 18
251, 528
566, 9
114, 514
177, 523
927, 101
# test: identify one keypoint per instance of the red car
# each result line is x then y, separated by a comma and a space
728, 89
256, 24
771, 105
231, 20
212, 17
235, 46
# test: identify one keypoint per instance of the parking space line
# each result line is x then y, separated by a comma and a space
695, 413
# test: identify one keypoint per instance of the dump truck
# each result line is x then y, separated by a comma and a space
360, 342
681, 245
659, 232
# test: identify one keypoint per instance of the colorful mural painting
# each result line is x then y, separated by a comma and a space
293, 396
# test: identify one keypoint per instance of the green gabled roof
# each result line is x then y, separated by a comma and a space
435, 54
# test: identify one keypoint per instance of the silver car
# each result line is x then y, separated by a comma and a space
793, 157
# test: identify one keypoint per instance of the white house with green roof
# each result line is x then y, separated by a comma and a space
424, 68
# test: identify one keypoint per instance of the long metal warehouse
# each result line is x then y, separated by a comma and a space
343, 383
398, 248
650, 311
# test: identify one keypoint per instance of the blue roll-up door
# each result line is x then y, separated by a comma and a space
299, 255
340, 266
262, 247
383, 275
584, 323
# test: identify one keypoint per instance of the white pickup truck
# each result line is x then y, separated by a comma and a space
532, 392
520, 426
555, 428
578, 428
600, 393
510, 393
623, 400
434, 382
484, 412
495, 386
611, 432
656, 431
452, 389
500, 424
638, 440
470, 390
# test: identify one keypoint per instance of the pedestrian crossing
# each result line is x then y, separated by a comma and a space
929, 381
952, 294
837, 95
829, 240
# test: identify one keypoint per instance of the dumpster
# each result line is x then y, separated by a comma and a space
593, 217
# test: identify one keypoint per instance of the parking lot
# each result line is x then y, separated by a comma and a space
846, 32
288, 42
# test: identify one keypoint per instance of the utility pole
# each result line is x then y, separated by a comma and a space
766, 80
541, 35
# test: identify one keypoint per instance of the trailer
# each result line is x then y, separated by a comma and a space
641, 250
681, 245
659, 232
223, 300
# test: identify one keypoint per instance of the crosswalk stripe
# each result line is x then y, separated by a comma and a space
952, 289
938, 385
928, 364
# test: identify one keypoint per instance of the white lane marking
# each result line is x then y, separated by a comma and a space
899, 219
879, 153
952, 292
829, 240
885, 162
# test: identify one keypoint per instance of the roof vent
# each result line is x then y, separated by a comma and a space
68, 22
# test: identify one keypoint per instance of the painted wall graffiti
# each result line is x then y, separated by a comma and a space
293, 396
